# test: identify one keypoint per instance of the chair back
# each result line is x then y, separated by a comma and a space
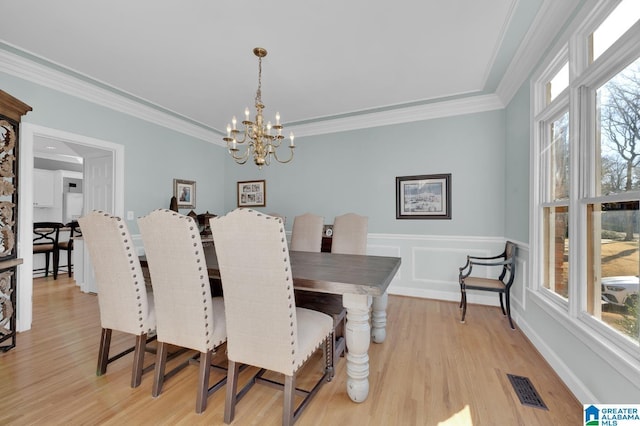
350, 234
278, 215
122, 295
46, 234
510, 265
253, 258
75, 230
306, 234
178, 269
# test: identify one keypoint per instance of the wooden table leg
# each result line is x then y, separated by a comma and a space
358, 335
379, 318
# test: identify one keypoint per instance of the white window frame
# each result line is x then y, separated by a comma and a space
584, 79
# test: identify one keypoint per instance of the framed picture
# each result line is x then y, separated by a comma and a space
252, 193
423, 197
185, 193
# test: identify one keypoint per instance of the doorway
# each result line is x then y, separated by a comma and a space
90, 149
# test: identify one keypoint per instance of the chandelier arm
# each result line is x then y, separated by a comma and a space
240, 159
275, 155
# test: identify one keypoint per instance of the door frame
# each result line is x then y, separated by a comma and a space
28, 132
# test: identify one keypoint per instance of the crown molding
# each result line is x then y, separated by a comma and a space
549, 20
430, 111
46, 76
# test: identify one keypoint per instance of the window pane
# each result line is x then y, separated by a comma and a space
618, 130
616, 24
614, 259
558, 157
556, 228
558, 83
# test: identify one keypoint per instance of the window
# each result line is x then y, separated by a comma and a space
613, 220
587, 176
558, 83
614, 26
555, 156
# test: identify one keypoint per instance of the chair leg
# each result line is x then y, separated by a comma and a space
463, 301
103, 352
502, 305
56, 263
46, 264
69, 266
232, 386
330, 355
138, 360
509, 310
161, 363
203, 381
289, 395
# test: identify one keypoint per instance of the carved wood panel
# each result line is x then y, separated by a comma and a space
8, 186
11, 111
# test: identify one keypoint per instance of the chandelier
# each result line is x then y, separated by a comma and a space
262, 140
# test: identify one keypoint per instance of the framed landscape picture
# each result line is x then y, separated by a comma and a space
185, 193
252, 193
423, 197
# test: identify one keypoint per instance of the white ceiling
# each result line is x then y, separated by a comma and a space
326, 60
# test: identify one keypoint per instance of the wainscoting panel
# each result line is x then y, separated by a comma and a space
430, 264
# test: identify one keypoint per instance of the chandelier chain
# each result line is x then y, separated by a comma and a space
259, 91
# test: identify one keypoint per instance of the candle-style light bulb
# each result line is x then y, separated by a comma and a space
246, 114
228, 129
277, 118
291, 137
234, 121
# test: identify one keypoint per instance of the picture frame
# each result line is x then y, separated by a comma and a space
185, 193
423, 196
252, 193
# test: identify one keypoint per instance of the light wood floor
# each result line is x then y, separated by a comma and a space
431, 370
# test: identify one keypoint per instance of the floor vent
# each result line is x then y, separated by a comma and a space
526, 392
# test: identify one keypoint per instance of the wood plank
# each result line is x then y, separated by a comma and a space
431, 370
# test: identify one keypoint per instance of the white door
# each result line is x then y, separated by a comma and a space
98, 195
98, 183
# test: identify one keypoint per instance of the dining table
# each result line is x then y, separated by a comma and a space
362, 280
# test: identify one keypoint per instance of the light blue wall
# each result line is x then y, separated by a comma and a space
355, 171
154, 155
517, 166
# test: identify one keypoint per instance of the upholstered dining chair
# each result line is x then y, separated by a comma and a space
67, 246
45, 241
265, 329
501, 269
350, 234
187, 315
306, 234
124, 303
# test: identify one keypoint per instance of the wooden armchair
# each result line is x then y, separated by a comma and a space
45, 241
504, 263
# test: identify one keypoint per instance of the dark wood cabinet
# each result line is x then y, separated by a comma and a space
11, 112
